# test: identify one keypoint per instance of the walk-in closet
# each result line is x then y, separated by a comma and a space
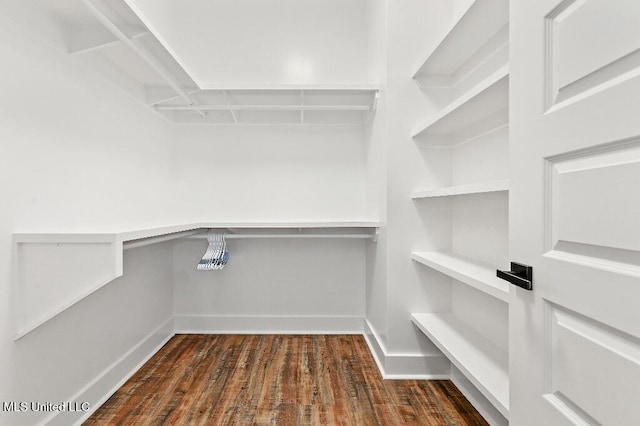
320, 212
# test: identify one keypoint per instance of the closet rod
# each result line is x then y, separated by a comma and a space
200, 234
140, 51
159, 239
265, 107
290, 236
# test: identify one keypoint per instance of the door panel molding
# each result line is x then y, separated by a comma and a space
578, 64
581, 187
574, 344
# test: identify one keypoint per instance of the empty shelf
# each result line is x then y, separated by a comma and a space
471, 29
125, 235
482, 101
475, 274
481, 361
473, 188
273, 106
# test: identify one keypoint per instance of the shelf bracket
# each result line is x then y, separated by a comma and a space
231, 110
376, 97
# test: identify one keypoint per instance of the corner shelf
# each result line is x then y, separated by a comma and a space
483, 101
470, 31
55, 270
475, 274
500, 185
113, 39
482, 362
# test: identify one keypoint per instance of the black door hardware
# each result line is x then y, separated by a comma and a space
520, 275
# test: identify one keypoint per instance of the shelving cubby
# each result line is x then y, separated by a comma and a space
478, 275
475, 45
480, 109
498, 185
481, 361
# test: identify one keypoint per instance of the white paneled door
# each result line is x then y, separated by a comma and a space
575, 212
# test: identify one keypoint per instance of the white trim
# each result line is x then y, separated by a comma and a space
376, 346
105, 384
475, 398
268, 324
416, 367
405, 366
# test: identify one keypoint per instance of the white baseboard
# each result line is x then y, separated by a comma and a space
376, 346
428, 367
405, 366
231, 324
479, 402
112, 378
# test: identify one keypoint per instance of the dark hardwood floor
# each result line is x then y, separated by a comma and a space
280, 380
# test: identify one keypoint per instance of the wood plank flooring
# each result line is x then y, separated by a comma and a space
277, 380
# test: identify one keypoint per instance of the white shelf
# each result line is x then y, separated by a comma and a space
275, 105
482, 362
126, 235
499, 185
472, 28
57, 269
475, 274
481, 102
118, 45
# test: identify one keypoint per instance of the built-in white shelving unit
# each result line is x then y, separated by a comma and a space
111, 38
481, 361
475, 274
499, 185
465, 144
55, 270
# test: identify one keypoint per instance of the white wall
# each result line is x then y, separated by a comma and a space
85, 352
376, 173
272, 285
269, 172
76, 155
413, 26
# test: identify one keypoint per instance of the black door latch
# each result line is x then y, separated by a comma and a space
520, 275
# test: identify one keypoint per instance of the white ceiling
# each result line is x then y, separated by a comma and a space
258, 43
